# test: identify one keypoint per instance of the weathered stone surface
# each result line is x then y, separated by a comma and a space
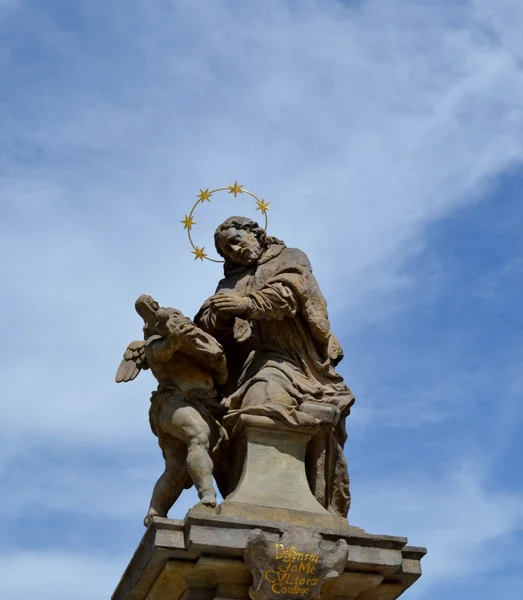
295, 566
202, 558
273, 484
269, 425
187, 363
248, 393
269, 315
351, 585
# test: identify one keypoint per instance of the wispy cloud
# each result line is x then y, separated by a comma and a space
57, 574
364, 124
360, 125
469, 524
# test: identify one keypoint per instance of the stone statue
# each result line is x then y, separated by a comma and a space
249, 396
271, 318
186, 363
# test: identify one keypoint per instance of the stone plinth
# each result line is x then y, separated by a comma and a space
273, 484
202, 558
270, 539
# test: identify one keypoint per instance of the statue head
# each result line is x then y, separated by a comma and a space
241, 241
154, 316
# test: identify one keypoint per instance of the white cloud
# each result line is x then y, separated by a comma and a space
59, 575
466, 523
87, 487
361, 125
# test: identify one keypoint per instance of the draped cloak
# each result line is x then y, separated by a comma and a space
284, 346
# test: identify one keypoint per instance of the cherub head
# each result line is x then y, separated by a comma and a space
155, 317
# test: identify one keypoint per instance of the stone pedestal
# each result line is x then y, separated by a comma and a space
201, 558
273, 484
270, 539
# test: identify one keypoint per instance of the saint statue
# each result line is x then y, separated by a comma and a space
270, 317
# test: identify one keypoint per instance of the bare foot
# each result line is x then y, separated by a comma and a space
147, 521
208, 500
149, 518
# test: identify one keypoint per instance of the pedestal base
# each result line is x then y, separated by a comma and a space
201, 558
273, 484
301, 518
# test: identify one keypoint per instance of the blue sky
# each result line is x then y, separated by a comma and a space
388, 137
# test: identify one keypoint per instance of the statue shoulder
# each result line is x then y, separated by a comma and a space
296, 257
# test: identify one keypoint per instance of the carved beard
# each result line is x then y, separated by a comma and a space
247, 257
248, 261
250, 256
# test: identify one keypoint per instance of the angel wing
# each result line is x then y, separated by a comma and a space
134, 361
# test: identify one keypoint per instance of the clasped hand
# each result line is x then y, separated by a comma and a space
229, 303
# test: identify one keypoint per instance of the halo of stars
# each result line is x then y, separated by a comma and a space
205, 196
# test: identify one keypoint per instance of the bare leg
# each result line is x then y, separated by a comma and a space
184, 422
199, 466
170, 484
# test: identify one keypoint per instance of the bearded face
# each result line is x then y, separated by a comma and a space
240, 246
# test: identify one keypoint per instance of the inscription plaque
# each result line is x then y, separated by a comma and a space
295, 566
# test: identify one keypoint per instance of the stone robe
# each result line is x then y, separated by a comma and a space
281, 355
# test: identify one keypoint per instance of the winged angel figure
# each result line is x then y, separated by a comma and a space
187, 363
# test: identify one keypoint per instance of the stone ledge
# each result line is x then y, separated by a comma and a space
203, 556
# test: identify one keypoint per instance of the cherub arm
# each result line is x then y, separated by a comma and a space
205, 349
182, 335
162, 347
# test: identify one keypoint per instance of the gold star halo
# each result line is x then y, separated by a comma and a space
205, 195
199, 253
263, 206
235, 189
188, 222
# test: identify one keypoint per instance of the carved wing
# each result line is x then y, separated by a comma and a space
134, 360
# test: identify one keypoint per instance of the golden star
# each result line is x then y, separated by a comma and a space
204, 195
199, 253
262, 205
188, 222
235, 189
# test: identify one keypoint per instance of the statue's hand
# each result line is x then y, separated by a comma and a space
184, 329
179, 330
176, 326
230, 304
